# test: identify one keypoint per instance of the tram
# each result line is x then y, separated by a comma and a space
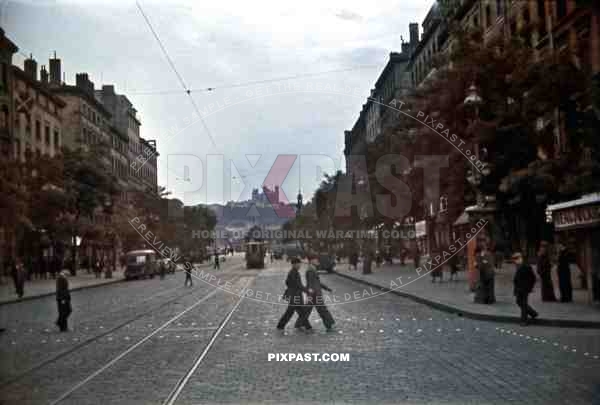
255, 254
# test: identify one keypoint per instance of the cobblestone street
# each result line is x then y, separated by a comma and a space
154, 341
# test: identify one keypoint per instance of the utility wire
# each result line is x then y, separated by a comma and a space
185, 88
250, 83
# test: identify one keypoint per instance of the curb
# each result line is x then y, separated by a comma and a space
561, 323
43, 295
83, 287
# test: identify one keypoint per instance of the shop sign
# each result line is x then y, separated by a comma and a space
421, 229
577, 217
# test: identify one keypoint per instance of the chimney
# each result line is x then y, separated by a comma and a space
414, 34
44, 75
405, 48
31, 68
108, 89
81, 80
55, 70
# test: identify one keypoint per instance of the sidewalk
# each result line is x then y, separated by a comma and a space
40, 288
455, 296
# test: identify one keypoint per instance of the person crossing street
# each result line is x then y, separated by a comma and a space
188, 277
293, 295
315, 294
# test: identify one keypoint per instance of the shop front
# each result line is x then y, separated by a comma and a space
577, 224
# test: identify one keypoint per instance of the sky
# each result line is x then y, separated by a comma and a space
329, 53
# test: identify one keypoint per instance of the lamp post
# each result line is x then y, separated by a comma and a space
485, 204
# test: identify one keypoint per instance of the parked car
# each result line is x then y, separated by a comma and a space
326, 262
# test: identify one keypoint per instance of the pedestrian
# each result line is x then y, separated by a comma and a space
453, 263
19, 276
564, 273
293, 295
63, 300
354, 261
217, 261
188, 277
315, 294
544, 270
523, 281
163, 269
97, 267
485, 291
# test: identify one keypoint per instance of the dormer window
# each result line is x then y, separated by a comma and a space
443, 204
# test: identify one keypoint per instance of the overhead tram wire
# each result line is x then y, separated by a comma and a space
250, 83
181, 81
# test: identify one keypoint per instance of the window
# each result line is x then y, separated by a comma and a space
561, 8
56, 140
475, 21
18, 148
488, 15
499, 11
38, 131
443, 204
541, 9
4, 73
47, 134
4, 118
526, 16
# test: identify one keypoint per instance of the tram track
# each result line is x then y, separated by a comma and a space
84, 343
178, 388
153, 333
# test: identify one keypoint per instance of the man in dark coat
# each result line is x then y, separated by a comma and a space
523, 281
293, 294
564, 274
544, 270
485, 293
315, 294
63, 300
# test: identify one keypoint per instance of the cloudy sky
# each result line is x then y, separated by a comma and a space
332, 50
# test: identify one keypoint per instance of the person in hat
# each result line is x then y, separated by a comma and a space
293, 295
63, 300
315, 294
523, 281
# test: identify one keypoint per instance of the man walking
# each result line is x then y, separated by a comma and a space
315, 294
524, 281
293, 294
63, 300
188, 277
217, 261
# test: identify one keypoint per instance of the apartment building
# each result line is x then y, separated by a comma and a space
38, 122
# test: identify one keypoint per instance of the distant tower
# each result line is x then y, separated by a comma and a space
299, 201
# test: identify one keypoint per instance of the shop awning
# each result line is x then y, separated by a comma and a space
463, 219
